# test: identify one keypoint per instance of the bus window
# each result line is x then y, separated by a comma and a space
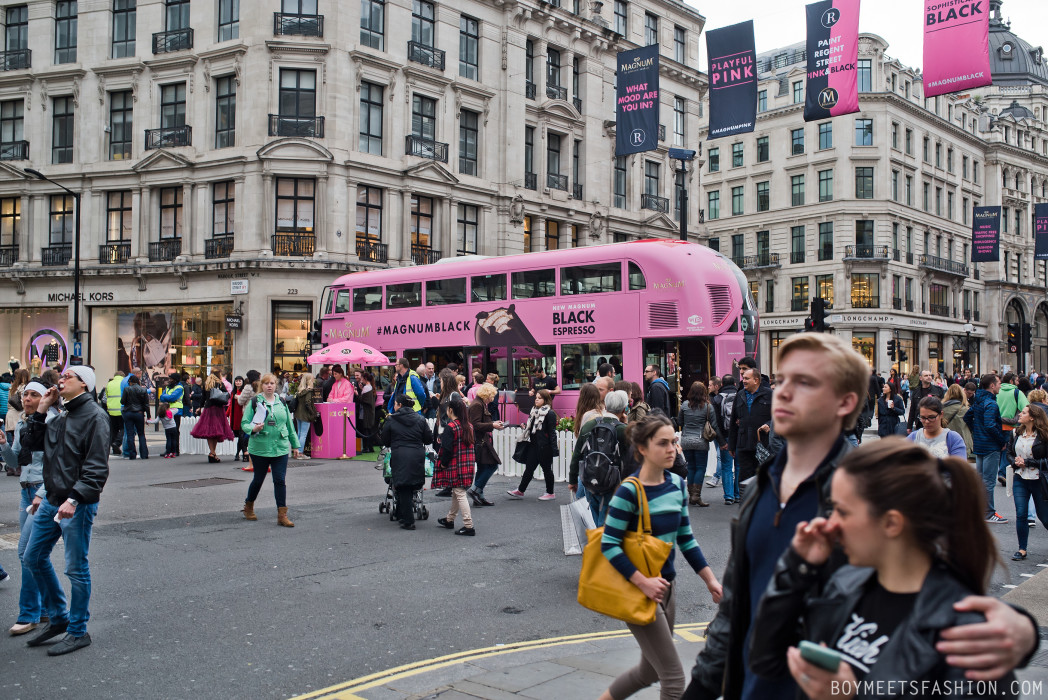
367, 298
528, 358
591, 279
443, 292
636, 277
326, 299
489, 288
532, 284
579, 363
342, 302
404, 296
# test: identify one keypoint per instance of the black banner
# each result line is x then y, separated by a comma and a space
832, 52
637, 110
1040, 231
986, 234
733, 80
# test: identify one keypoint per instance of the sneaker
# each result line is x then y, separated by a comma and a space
4, 576
1031, 522
1002, 481
548, 497
996, 518
515, 494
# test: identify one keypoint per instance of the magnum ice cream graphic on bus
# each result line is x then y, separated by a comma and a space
502, 328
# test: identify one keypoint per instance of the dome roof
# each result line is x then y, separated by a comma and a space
1017, 111
1013, 61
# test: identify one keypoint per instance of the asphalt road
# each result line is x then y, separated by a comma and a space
189, 599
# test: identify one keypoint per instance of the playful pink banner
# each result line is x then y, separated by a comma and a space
956, 46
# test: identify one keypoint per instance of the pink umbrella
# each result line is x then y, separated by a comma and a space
349, 352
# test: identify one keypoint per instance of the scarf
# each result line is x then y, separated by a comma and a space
535, 421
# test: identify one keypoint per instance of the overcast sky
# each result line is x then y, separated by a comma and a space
779, 23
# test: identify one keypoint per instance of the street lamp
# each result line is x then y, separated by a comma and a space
683, 155
76, 250
968, 328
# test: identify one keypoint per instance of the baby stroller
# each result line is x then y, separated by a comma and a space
389, 504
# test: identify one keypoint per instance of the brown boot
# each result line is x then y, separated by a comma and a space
249, 510
695, 496
282, 518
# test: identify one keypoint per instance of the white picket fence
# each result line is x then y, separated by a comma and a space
189, 445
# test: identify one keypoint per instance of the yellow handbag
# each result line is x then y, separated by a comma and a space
603, 589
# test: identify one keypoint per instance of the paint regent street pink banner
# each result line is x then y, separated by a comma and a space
956, 46
832, 53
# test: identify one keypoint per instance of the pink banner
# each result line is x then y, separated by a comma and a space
832, 51
956, 46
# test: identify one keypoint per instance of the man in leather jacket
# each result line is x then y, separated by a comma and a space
821, 385
76, 467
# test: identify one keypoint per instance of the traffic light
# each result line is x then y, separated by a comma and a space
1027, 337
891, 349
903, 357
1013, 338
818, 314
809, 325
314, 335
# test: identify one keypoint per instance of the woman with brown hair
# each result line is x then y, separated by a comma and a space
912, 528
589, 406
457, 463
366, 402
14, 399
487, 459
540, 432
638, 407
212, 424
954, 406
1028, 450
695, 414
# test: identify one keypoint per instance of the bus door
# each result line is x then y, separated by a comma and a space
665, 354
695, 363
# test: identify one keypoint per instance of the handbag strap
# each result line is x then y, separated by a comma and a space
643, 514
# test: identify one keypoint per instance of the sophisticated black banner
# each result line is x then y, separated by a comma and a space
986, 234
637, 110
1040, 231
733, 79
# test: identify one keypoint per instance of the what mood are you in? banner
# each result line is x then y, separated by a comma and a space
956, 46
832, 54
637, 103
733, 79
986, 234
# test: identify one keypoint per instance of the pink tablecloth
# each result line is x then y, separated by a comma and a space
338, 438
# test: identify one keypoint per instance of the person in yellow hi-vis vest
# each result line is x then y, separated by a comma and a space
111, 398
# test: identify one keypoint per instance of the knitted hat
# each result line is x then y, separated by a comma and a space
86, 374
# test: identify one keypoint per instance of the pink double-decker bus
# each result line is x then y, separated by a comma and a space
681, 306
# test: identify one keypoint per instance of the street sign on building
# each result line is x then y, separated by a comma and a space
238, 286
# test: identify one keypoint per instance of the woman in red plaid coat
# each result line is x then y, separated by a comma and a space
456, 466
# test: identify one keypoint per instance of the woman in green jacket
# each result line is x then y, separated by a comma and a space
272, 437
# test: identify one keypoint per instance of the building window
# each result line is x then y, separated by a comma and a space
369, 214
373, 23
298, 94
927, 150
295, 200
927, 197
553, 154
371, 118
62, 130
16, 34
421, 221
763, 245
797, 190
713, 205
714, 159
120, 124
177, 15
938, 155
291, 322
11, 127
763, 196
678, 192
680, 44
10, 220
738, 247
469, 48
864, 233
552, 235
170, 212
949, 160
621, 17
620, 182
422, 23
826, 241
737, 196
824, 287
678, 121
469, 131
118, 216
576, 163
825, 185
800, 294
736, 155
825, 135
576, 70
65, 31
797, 245
173, 106
714, 244
865, 290
552, 68
652, 178
123, 28
964, 167
769, 292
863, 132
225, 112
798, 92
909, 190
763, 150
865, 74
62, 212
949, 205
909, 142
223, 208
424, 117
797, 141
762, 101
895, 185
975, 172
651, 29
864, 183
467, 229
228, 20
964, 212
895, 136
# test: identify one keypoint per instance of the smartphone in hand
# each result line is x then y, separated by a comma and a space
825, 658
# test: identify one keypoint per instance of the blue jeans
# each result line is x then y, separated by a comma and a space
484, 472
987, 465
303, 432
850, 437
30, 603
598, 505
37, 558
135, 423
1022, 492
726, 466
261, 466
697, 460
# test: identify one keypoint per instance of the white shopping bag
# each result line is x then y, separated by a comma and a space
575, 519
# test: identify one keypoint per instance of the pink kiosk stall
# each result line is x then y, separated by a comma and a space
339, 440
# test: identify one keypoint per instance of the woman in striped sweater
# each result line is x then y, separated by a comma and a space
655, 447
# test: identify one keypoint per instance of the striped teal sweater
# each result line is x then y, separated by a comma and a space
668, 505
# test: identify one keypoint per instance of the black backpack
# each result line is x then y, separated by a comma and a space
600, 463
727, 403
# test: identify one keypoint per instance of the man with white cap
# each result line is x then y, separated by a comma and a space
76, 467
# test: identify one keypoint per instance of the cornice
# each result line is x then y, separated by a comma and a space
297, 47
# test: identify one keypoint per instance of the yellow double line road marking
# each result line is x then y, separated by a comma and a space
694, 632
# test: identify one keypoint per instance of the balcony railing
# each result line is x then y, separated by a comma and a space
372, 251
557, 182
285, 24
556, 92
426, 55
866, 252
177, 40
862, 301
426, 148
14, 150
16, 60
294, 244
976, 317
655, 203
897, 303
752, 262
221, 247
797, 257
798, 305
769, 306
909, 304
305, 127
531, 181
56, 255
577, 101
951, 267
8, 255
424, 255
171, 137
114, 253
530, 90
939, 310
662, 132
576, 191
165, 250
976, 273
